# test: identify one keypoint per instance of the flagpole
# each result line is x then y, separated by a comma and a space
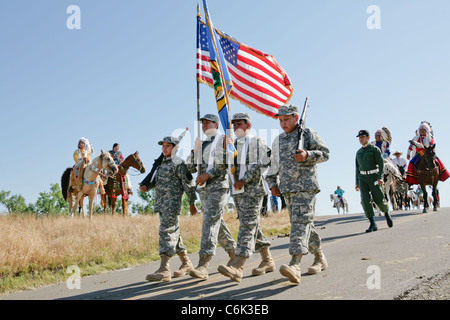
199, 162
227, 130
221, 71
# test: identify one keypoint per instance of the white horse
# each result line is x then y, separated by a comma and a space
90, 181
414, 199
393, 178
338, 203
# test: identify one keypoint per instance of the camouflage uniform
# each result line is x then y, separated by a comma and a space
171, 180
249, 203
298, 185
213, 198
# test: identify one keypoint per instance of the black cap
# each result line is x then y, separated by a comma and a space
363, 133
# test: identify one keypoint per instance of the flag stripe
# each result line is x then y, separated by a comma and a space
258, 80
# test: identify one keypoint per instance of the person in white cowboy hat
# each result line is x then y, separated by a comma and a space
400, 162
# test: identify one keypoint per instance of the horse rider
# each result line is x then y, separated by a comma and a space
400, 162
340, 194
423, 139
296, 168
82, 157
172, 179
83, 152
369, 178
253, 158
382, 141
118, 159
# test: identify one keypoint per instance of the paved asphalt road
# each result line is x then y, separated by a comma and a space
374, 266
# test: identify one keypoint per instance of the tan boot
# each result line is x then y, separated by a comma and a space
232, 257
319, 264
235, 271
267, 264
163, 273
201, 272
186, 265
292, 271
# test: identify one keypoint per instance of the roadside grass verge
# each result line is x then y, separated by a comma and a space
37, 251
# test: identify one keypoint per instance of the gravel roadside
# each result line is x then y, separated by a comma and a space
436, 287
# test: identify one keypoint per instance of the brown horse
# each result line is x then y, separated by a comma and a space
428, 173
116, 186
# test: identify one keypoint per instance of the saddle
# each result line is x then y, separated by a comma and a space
76, 176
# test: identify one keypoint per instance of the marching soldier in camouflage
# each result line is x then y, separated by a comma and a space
253, 158
369, 178
297, 174
212, 186
171, 180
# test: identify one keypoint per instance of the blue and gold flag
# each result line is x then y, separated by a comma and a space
222, 85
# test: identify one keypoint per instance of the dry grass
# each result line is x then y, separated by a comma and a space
34, 251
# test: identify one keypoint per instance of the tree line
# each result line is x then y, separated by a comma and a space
52, 202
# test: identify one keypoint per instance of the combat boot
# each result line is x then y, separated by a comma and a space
201, 272
236, 271
319, 264
267, 264
373, 225
232, 255
186, 265
388, 220
292, 271
163, 273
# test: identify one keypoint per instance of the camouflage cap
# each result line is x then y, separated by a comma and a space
286, 109
169, 139
210, 117
241, 116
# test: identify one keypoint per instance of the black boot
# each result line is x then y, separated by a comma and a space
373, 225
388, 220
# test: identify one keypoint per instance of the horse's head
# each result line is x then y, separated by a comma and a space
135, 162
430, 155
108, 162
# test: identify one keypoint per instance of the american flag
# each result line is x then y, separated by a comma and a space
258, 80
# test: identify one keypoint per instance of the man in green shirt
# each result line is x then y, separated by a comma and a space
369, 178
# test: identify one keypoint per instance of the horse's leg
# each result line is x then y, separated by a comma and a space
125, 207
103, 202
91, 203
78, 199
81, 206
425, 198
70, 197
113, 205
435, 200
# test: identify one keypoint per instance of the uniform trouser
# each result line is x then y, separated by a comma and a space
366, 189
304, 237
250, 237
214, 228
170, 241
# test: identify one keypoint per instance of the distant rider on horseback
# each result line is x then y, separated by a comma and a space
340, 194
423, 139
118, 159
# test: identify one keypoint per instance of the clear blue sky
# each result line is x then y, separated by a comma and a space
128, 76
